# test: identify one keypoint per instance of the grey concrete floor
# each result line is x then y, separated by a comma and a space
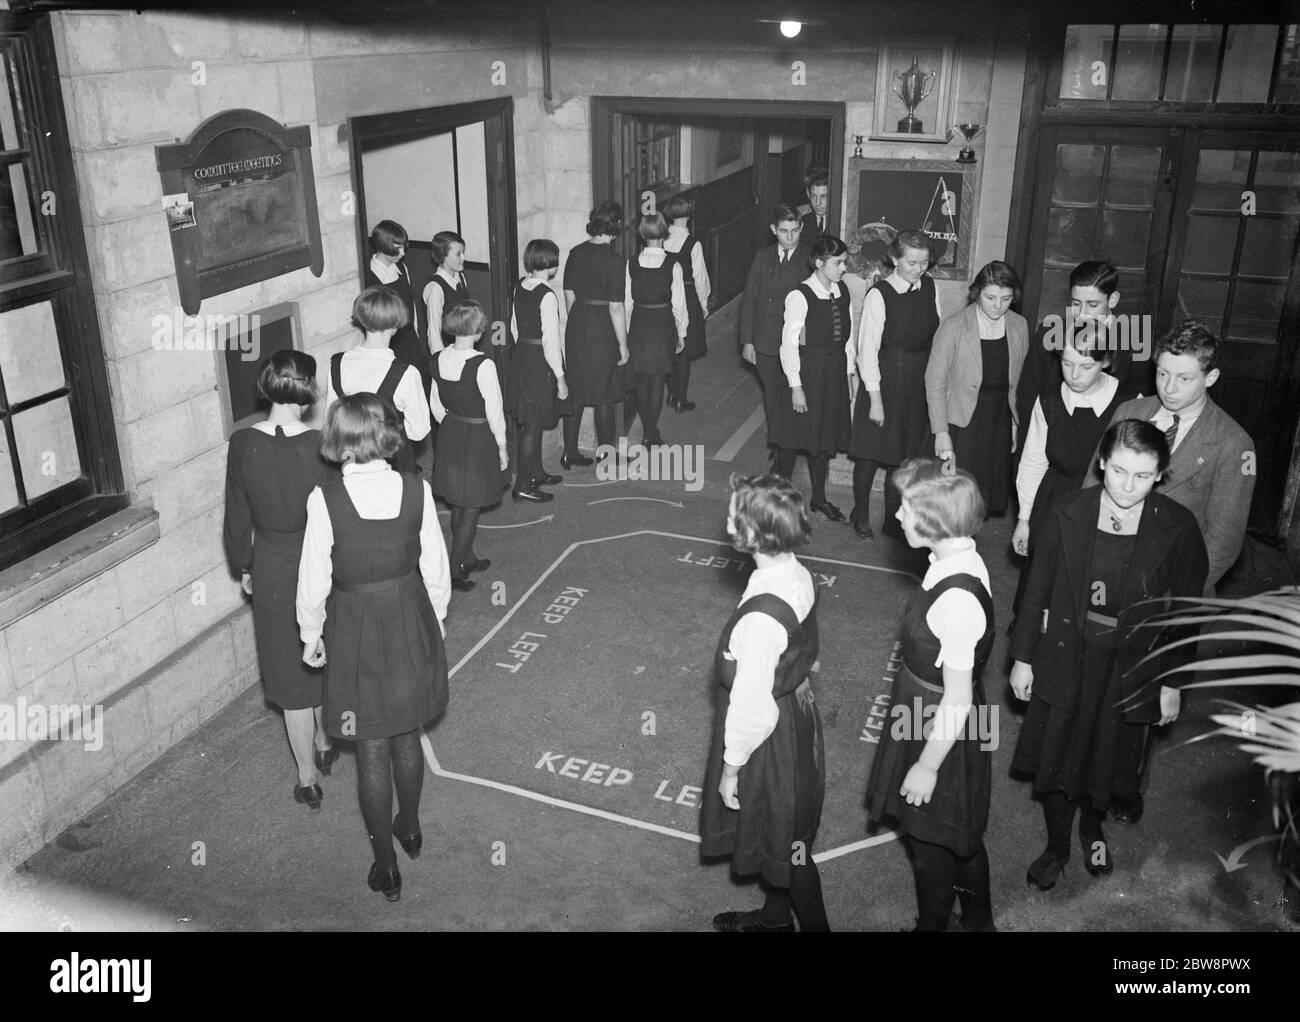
267, 863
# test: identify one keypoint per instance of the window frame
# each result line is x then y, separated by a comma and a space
60, 274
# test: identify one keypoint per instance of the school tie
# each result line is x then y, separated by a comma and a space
837, 327
1171, 434
821, 225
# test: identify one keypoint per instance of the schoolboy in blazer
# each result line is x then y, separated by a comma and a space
775, 271
1212, 469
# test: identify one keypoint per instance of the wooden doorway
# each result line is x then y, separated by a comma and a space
473, 193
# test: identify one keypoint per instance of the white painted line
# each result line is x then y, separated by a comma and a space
548, 800
436, 767
519, 525
607, 482
739, 438
656, 500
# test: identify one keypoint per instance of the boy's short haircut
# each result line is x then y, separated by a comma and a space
783, 212
1191, 337
1096, 273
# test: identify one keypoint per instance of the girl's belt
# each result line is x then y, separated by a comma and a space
529, 340
466, 418
593, 301
643, 305
373, 587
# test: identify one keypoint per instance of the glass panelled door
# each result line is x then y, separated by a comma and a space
1103, 193
1233, 263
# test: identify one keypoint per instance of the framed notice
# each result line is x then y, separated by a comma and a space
240, 202
934, 196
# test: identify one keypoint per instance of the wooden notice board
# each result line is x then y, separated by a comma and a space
935, 196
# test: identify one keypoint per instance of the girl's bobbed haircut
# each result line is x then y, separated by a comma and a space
826, 247
287, 377
946, 503
387, 237
361, 428
995, 274
379, 308
441, 246
679, 207
606, 218
541, 254
1136, 435
466, 320
653, 227
1090, 337
910, 239
770, 515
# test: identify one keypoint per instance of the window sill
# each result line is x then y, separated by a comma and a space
39, 580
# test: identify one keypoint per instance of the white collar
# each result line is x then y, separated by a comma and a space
815, 283
675, 230
989, 327
1186, 417
290, 428
966, 561
1099, 398
386, 272
370, 468
445, 274
900, 285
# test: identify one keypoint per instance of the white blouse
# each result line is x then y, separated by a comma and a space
652, 259
552, 348
364, 369
956, 617
873, 329
376, 492
792, 333
451, 362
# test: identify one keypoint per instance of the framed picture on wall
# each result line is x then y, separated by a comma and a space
934, 196
915, 81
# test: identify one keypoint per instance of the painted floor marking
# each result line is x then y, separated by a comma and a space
536, 796
738, 439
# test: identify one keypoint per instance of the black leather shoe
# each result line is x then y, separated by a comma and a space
828, 509
481, 564
309, 796
1127, 812
461, 585
747, 922
1044, 871
325, 759
578, 460
1091, 853
532, 494
547, 479
685, 406
861, 528
410, 845
389, 881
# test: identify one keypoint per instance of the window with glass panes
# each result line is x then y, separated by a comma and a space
58, 455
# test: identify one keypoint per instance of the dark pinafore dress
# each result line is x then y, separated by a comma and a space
452, 298
823, 373
910, 322
595, 275
386, 668
983, 446
531, 396
1072, 437
958, 812
696, 340
782, 786
652, 334
404, 459
408, 344
1089, 749
466, 464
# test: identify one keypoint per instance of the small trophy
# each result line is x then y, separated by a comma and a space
857, 146
968, 132
912, 87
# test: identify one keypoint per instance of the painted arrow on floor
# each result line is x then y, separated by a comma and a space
519, 525
656, 500
1234, 860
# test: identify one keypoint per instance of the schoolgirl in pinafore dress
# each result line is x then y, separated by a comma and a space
762, 798
689, 253
656, 298
944, 832
404, 459
387, 268
817, 330
536, 382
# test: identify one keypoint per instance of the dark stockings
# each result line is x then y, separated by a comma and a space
381, 763
464, 524
604, 419
942, 878
529, 464
1058, 812
864, 474
802, 901
818, 467
648, 402
679, 380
